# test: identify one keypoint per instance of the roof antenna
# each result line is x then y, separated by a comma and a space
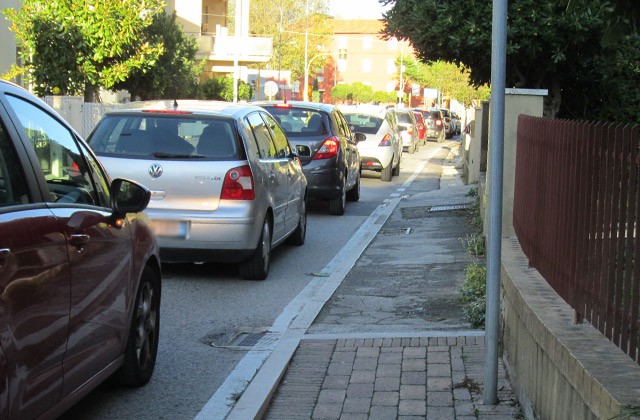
285, 99
175, 104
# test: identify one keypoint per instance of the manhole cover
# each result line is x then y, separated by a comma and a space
452, 207
243, 339
421, 212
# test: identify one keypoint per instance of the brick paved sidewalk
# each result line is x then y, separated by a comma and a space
435, 378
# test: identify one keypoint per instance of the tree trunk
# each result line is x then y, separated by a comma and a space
553, 101
91, 93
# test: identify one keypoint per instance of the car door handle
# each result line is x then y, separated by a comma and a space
79, 239
4, 252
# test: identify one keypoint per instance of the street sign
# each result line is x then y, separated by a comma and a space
270, 88
430, 93
415, 89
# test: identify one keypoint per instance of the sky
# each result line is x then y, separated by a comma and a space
357, 9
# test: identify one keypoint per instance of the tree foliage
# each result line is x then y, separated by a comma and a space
361, 93
76, 46
624, 20
341, 92
175, 74
451, 79
221, 89
289, 40
548, 47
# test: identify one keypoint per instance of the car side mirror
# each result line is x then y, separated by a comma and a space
128, 196
358, 137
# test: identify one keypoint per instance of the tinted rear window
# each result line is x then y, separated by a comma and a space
432, 114
404, 118
296, 122
362, 123
150, 136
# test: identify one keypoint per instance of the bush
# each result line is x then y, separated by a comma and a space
474, 291
221, 89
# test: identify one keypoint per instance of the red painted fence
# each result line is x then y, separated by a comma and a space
577, 214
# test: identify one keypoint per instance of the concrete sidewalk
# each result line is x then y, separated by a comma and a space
421, 370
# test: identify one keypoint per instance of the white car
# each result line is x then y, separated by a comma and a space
382, 149
225, 183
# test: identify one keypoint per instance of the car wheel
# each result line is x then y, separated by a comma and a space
142, 343
257, 266
298, 236
440, 139
337, 205
396, 170
387, 172
354, 193
411, 149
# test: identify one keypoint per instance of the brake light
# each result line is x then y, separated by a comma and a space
282, 105
438, 122
386, 140
238, 184
328, 149
410, 130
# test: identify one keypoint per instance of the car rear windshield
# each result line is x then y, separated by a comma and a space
297, 122
363, 123
433, 114
151, 136
404, 118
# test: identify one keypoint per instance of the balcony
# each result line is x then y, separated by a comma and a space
227, 48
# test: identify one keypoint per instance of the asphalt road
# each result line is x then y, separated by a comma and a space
204, 306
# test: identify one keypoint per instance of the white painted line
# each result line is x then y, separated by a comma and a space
406, 334
262, 370
401, 189
417, 172
395, 195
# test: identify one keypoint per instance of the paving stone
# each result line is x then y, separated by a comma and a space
440, 413
440, 399
331, 396
356, 405
340, 368
360, 390
411, 417
413, 392
438, 357
414, 365
354, 416
327, 411
389, 371
462, 394
438, 370
385, 398
463, 408
412, 408
368, 352
336, 382
383, 413
389, 358
343, 356
365, 363
414, 352
439, 384
363, 377
413, 378
387, 384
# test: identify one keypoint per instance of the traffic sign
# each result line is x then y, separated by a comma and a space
270, 88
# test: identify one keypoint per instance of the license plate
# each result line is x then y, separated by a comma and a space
169, 228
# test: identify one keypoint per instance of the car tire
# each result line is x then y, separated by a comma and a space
257, 266
142, 343
411, 149
387, 173
337, 205
396, 170
354, 193
440, 139
298, 236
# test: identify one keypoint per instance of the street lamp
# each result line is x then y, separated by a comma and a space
306, 78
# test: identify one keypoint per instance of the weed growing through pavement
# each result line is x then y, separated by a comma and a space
474, 288
474, 244
627, 412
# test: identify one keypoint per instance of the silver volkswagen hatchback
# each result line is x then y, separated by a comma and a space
225, 183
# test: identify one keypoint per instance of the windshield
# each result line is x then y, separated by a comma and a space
362, 123
296, 122
404, 118
150, 136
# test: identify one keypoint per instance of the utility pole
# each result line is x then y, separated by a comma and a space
305, 96
401, 93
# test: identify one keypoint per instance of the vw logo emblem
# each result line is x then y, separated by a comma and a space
155, 170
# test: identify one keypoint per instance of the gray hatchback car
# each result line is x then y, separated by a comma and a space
225, 183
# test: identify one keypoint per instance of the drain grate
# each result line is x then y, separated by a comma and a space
452, 207
400, 231
254, 341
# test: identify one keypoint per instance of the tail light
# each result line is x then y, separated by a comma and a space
438, 122
410, 130
238, 184
447, 119
328, 149
386, 140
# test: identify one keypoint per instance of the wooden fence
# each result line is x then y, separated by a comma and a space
576, 215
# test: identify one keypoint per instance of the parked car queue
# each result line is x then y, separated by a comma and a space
85, 226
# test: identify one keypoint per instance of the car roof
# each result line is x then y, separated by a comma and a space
219, 108
376, 110
316, 106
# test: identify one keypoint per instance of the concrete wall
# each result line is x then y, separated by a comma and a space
559, 369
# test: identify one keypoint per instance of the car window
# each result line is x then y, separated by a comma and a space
145, 136
418, 117
99, 178
404, 118
363, 123
58, 154
296, 122
279, 138
343, 124
13, 186
266, 147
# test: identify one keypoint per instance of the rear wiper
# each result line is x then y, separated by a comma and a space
176, 156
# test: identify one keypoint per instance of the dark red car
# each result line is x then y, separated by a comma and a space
79, 267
